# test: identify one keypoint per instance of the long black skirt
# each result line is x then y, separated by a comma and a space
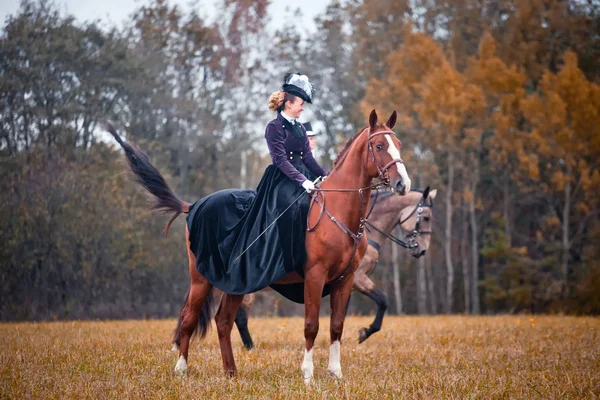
225, 224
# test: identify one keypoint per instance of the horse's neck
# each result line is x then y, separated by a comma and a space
351, 174
386, 214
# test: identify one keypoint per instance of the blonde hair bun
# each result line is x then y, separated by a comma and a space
276, 100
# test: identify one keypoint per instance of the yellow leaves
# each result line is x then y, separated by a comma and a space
565, 115
487, 46
558, 180
583, 208
529, 164
491, 73
522, 251
405, 69
552, 221
472, 137
467, 194
448, 101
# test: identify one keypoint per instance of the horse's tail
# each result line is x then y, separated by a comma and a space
203, 319
148, 176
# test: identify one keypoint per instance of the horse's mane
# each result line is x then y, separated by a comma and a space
342, 154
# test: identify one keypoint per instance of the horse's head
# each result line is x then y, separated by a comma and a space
416, 221
384, 152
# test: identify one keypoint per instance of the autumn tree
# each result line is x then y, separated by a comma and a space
564, 116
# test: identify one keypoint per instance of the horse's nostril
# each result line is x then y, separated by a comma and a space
400, 186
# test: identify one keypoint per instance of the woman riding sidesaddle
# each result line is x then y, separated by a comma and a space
246, 240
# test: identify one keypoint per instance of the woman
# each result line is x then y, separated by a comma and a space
245, 240
286, 137
293, 170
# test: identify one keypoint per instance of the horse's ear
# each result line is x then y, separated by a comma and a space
426, 193
432, 194
373, 119
392, 121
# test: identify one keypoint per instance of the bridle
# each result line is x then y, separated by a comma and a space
411, 237
384, 182
382, 171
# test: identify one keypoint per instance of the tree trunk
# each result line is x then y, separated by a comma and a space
448, 241
565, 233
465, 264
421, 287
397, 287
476, 309
506, 211
431, 286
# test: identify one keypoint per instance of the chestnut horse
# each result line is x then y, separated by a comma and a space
335, 241
412, 213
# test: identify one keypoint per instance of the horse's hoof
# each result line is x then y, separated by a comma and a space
307, 374
336, 372
230, 374
363, 334
181, 367
175, 349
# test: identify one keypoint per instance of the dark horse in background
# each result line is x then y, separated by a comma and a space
335, 242
413, 213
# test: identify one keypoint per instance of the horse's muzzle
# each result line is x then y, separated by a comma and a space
418, 253
400, 187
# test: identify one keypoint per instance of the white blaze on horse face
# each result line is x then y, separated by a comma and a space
308, 367
181, 367
334, 359
395, 154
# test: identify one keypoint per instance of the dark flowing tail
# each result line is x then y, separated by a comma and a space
204, 318
148, 176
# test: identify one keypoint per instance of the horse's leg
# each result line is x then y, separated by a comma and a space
224, 319
195, 313
241, 320
365, 285
340, 294
378, 297
313, 289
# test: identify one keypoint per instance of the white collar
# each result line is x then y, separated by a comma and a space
289, 119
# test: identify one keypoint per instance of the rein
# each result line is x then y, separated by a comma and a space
356, 237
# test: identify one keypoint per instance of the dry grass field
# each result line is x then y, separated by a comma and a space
442, 357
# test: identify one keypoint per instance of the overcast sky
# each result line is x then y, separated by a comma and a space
117, 11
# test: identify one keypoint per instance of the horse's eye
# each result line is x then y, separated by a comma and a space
379, 147
426, 219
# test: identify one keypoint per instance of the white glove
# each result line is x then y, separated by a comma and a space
308, 185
